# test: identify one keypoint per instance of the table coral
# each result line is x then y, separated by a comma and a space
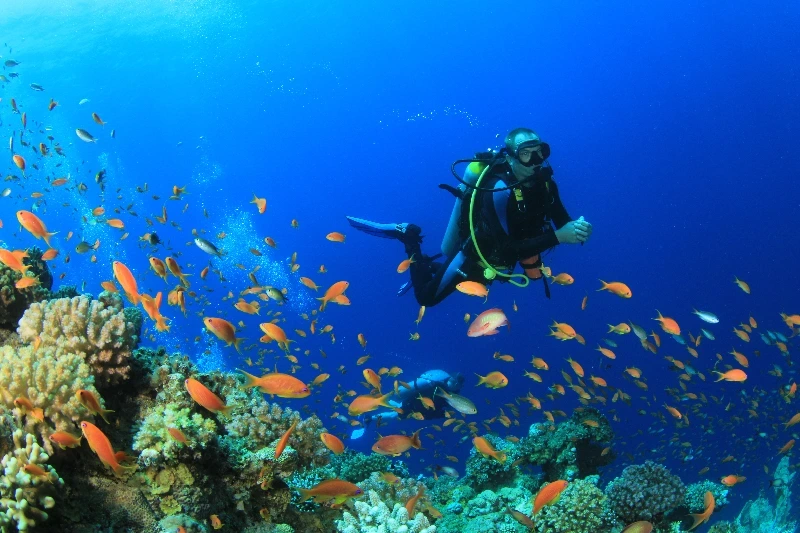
25, 498
98, 329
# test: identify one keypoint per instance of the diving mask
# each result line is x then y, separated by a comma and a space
532, 153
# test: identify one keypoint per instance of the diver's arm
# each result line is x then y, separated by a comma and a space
558, 213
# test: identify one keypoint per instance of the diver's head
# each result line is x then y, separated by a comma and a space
455, 382
525, 152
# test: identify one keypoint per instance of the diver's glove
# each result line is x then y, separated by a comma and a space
574, 232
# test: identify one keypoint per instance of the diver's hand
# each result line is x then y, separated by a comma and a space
574, 232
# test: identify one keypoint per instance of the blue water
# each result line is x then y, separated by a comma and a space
673, 129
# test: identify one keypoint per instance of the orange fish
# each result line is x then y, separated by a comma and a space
97, 119
261, 203
203, 396
335, 236
730, 481
284, 440
493, 380
26, 282
364, 404
372, 378
732, 375
576, 367
605, 351
65, 440
616, 287
178, 435
584, 302
487, 323
20, 162
708, 503
742, 285
331, 489
473, 288
49, 254
395, 445
127, 281
224, 331
34, 225
159, 268
667, 324
333, 291
308, 283
277, 384
216, 523
333, 443
90, 402
100, 445
405, 264
116, 223
562, 279
412, 501
487, 450
674, 412
175, 268
786, 447
548, 495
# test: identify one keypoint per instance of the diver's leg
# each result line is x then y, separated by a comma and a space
433, 282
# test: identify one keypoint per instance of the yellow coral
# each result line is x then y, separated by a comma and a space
49, 377
97, 329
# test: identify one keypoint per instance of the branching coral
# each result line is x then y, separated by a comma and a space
49, 377
99, 330
25, 495
644, 491
374, 516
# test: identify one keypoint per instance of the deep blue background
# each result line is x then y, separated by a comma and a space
673, 128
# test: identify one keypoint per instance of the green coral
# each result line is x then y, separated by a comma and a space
14, 302
354, 466
572, 449
580, 509
488, 473
696, 493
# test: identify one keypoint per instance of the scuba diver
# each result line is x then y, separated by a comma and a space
505, 211
433, 384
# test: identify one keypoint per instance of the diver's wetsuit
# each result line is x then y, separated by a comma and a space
427, 384
507, 231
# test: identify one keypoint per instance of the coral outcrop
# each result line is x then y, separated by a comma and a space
13, 301
374, 516
644, 492
50, 378
28, 485
100, 330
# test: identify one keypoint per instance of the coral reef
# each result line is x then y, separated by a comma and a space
488, 473
568, 450
99, 330
25, 494
49, 377
580, 509
759, 516
13, 301
696, 493
374, 516
644, 492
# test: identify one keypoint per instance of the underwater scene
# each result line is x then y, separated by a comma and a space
399, 267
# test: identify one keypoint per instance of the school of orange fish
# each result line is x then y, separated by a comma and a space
766, 411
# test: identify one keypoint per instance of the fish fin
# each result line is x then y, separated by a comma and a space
236, 342
415, 442
603, 287
250, 380
47, 236
481, 380
103, 413
698, 519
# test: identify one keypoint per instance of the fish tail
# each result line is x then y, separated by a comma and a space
47, 236
236, 342
103, 413
120, 470
250, 380
415, 442
698, 519
603, 287
324, 301
305, 494
481, 380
